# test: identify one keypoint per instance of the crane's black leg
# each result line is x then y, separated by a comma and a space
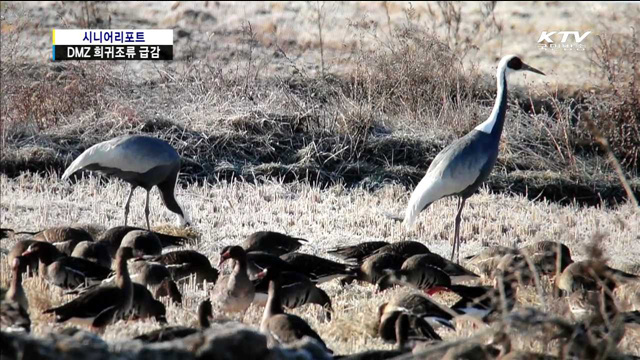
456, 237
146, 211
126, 206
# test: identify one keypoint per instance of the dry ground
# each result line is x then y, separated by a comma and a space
226, 213
245, 99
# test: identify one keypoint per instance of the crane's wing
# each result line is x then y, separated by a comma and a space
133, 154
456, 168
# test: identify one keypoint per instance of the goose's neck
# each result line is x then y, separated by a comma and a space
493, 125
204, 320
240, 267
274, 303
123, 280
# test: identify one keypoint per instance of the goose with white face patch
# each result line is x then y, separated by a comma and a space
460, 168
141, 161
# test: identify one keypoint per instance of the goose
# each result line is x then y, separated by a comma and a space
272, 242
93, 251
589, 275
357, 253
405, 249
65, 271
102, 305
416, 326
435, 314
14, 309
169, 288
318, 269
64, 237
28, 262
296, 290
375, 267
168, 333
485, 302
234, 293
112, 238
283, 328
145, 241
426, 278
184, 263
402, 328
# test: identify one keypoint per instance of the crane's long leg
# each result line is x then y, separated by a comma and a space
146, 211
456, 236
126, 206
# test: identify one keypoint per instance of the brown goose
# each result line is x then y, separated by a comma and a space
406, 249
456, 272
65, 238
435, 314
588, 275
169, 288
282, 328
427, 278
93, 251
402, 327
102, 305
272, 242
374, 267
583, 304
168, 333
416, 326
258, 261
16, 291
486, 261
234, 293
144, 272
145, 241
516, 268
14, 309
145, 306
485, 302
318, 269
65, 271
357, 252
13, 317
295, 290
112, 238
184, 263
28, 262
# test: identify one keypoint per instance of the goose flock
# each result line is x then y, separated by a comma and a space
131, 274
269, 271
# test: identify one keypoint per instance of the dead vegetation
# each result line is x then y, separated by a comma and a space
380, 119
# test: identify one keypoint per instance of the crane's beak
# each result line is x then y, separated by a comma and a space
532, 69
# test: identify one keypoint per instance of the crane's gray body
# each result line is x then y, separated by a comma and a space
139, 160
154, 160
473, 155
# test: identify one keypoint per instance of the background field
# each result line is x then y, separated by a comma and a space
315, 118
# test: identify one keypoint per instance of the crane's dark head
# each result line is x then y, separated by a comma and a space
514, 63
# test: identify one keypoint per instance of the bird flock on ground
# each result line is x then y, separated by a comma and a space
111, 276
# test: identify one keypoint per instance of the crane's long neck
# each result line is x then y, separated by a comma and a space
167, 192
493, 125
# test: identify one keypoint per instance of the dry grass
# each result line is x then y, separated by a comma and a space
227, 212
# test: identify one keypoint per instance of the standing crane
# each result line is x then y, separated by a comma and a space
460, 168
141, 161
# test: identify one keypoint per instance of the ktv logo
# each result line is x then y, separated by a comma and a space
546, 40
